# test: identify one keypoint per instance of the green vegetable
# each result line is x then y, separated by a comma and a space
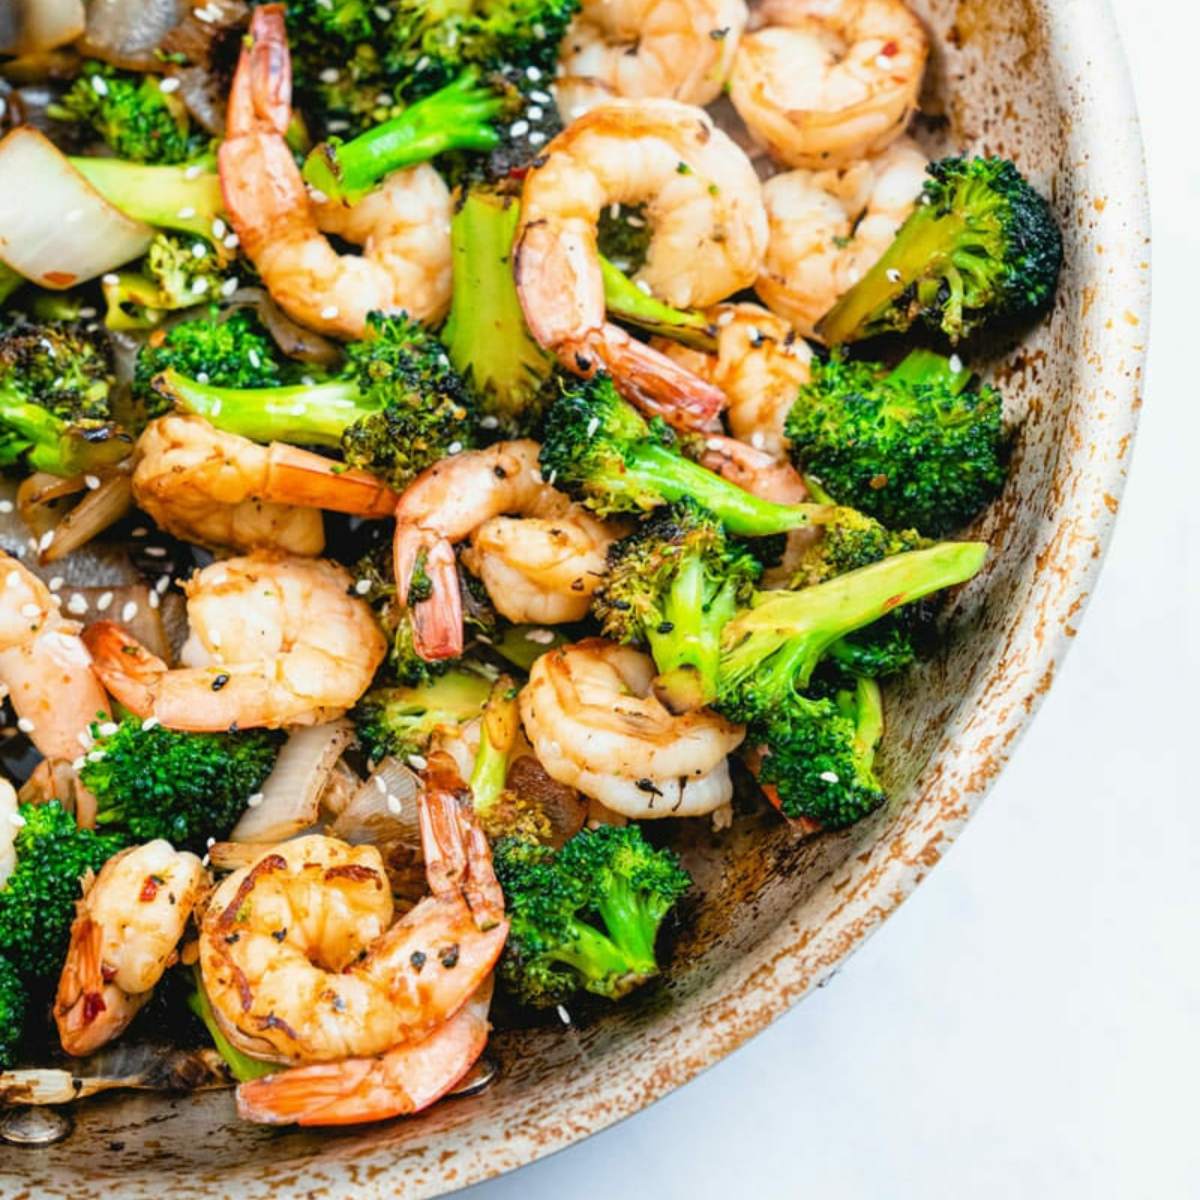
241, 1066
14, 1001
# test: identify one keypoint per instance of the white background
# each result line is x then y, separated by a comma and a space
1028, 1024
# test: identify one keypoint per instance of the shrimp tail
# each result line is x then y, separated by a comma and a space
300, 477
125, 667
398, 1083
427, 558
261, 97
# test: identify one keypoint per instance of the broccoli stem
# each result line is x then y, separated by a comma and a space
458, 117
627, 302
632, 921
866, 706
241, 1066
930, 368
676, 477
307, 414
497, 731
600, 960
187, 199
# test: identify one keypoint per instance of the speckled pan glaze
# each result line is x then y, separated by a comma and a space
1046, 84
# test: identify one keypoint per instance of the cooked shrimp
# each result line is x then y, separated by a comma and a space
644, 49
44, 666
280, 641
126, 928
829, 227
593, 724
397, 1083
466, 494
768, 477
824, 82
300, 958
703, 202
403, 226
760, 364
8, 830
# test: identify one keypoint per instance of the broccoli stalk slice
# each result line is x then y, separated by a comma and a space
497, 732
865, 705
770, 650
309, 414
627, 302
632, 916
606, 967
458, 117
186, 199
241, 1066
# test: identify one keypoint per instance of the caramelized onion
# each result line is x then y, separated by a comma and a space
128, 33
384, 809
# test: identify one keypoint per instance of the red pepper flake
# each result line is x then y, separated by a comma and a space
149, 889
59, 279
890, 50
892, 601
93, 1006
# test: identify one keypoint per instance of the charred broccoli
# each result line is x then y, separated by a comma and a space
980, 244
13, 1002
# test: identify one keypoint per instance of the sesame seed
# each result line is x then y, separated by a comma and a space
92, 481
593, 425
77, 763
724, 318
30, 610
315, 194
541, 97
955, 363
454, 448
84, 739
148, 724
169, 85
105, 600
86, 312
534, 113
46, 540
6, 506
210, 842
255, 800
95, 756
380, 783
140, 531
153, 600
532, 74
25, 725
231, 241
362, 587
518, 129
186, 214
489, 422
99, 86
156, 552
214, 639
394, 806
563, 1015
199, 249
329, 75
329, 312
15, 817
108, 729
56, 582
129, 611
542, 637
883, 62
77, 604
830, 776
162, 583
199, 286
536, 138
643, 286
193, 172
893, 275
417, 762
229, 286
110, 280
758, 439
255, 359
552, 477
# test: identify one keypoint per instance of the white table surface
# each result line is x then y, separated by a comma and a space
1028, 1023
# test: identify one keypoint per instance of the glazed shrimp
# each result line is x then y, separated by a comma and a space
126, 928
593, 724
829, 227
679, 49
403, 226
300, 958
703, 202
44, 666
396, 1083
760, 364
221, 490
470, 493
274, 641
821, 83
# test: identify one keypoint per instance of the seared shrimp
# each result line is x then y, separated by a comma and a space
300, 958
678, 49
403, 226
704, 204
760, 364
821, 83
44, 666
593, 724
221, 490
549, 568
396, 1083
274, 641
829, 227
126, 928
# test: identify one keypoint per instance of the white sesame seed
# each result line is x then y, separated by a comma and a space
329, 75
140, 531
307, 380
592, 426
30, 610
199, 286
394, 806
169, 85
578, 111
758, 439
77, 763
518, 129
536, 138
86, 312
329, 312
542, 637
95, 755
162, 583
108, 729
380, 783
541, 97
148, 724
56, 582
6, 506
206, 860
563, 1015
199, 249
46, 540
77, 604
255, 800
110, 280
255, 359
214, 639
84, 739
830, 776
315, 194
454, 448
210, 842
362, 587
153, 600
552, 477
25, 725
532, 74
16, 818
417, 762
193, 172
534, 113
883, 62
105, 600
955, 364
129, 611
893, 275
99, 86
186, 214
92, 481
231, 241
489, 422
156, 552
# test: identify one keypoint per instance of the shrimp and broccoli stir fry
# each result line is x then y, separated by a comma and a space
440, 457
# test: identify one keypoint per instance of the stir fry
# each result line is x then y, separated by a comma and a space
444, 448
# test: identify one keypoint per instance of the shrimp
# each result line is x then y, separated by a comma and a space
644, 49
704, 204
300, 958
403, 226
126, 928
824, 82
760, 364
8, 830
398, 1082
593, 724
548, 568
44, 666
828, 228
275, 641
220, 490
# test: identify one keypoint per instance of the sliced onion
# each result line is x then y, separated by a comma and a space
233, 856
102, 506
384, 809
340, 788
292, 793
293, 339
128, 33
196, 38
55, 228
128, 606
32, 26
204, 97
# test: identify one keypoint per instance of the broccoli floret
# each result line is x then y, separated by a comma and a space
980, 244
131, 112
176, 273
671, 585
887, 647
485, 334
770, 650
55, 386
820, 755
153, 782
911, 446
229, 351
586, 917
37, 902
401, 720
598, 448
14, 1000
396, 407
847, 542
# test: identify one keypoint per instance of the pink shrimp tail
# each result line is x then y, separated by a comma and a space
261, 98
437, 620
